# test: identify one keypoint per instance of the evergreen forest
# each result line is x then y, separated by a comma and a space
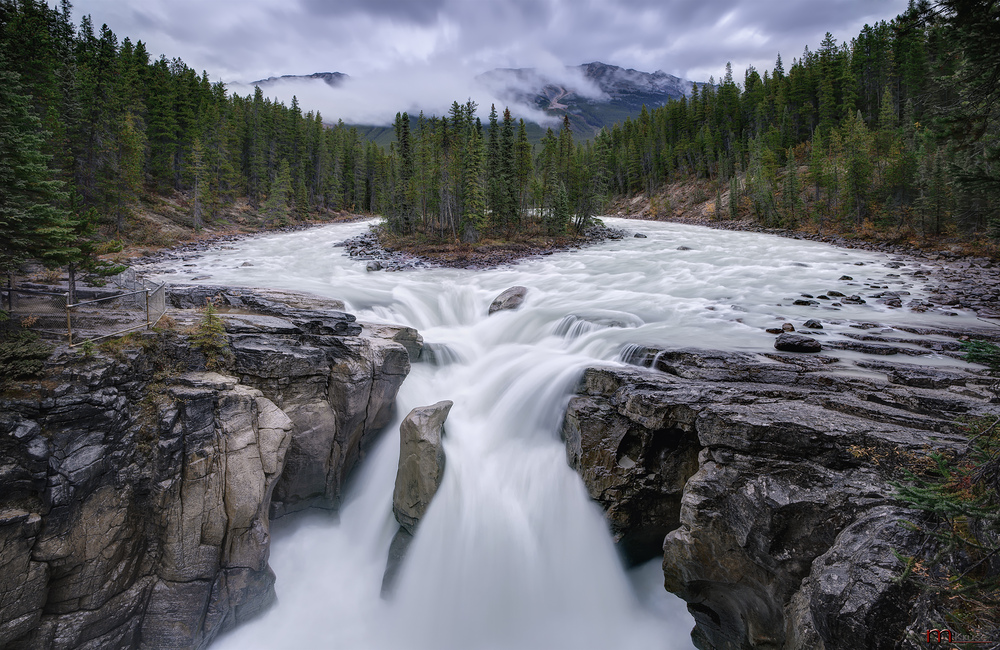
895, 130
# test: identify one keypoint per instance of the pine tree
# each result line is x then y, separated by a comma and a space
559, 215
858, 172
200, 185
474, 219
790, 192
276, 207
32, 223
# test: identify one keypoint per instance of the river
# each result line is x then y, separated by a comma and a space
512, 553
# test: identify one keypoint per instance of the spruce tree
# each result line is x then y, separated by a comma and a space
276, 207
33, 225
790, 192
199, 181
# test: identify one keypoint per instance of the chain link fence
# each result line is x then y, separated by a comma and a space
139, 307
41, 311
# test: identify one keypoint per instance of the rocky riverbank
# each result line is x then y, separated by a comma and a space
767, 483
138, 486
956, 279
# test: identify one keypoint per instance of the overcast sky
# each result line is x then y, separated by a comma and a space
422, 54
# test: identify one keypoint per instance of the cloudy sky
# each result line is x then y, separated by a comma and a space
423, 54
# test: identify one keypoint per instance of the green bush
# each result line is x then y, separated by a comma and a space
22, 355
210, 339
960, 496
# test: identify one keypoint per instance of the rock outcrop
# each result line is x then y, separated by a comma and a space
768, 481
418, 477
421, 462
796, 343
137, 487
509, 299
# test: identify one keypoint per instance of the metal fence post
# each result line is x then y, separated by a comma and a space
69, 323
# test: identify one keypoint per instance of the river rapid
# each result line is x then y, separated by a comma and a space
512, 553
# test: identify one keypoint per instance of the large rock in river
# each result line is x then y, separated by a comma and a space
421, 462
509, 299
796, 343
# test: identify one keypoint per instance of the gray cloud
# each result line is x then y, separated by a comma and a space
425, 53
421, 11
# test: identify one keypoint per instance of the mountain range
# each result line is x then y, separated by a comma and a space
593, 95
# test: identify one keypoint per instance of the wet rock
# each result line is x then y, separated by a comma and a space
812, 323
374, 265
787, 327
683, 248
398, 547
805, 303
853, 300
867, 348
787, 533
421, 462
639, 235
137, 491
510, 299
796, 343
338, 405
846, 278
835, 294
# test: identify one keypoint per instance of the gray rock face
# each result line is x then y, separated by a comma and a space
421, 462
509, 299
774, 478
148, 518
136, 490
338, 389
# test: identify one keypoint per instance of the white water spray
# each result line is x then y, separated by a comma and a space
512, 553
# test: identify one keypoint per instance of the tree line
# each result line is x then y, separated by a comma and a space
897, 128
454, 178
90, 126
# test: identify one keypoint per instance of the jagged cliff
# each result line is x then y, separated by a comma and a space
766, 483
137, 487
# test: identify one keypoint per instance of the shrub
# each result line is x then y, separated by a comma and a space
22, 355
210, 337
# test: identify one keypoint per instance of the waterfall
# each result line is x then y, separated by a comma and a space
512, 553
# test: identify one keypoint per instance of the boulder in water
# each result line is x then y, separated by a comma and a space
509, 299
421, 462
421, 468
796, 343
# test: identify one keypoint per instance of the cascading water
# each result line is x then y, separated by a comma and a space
512, 553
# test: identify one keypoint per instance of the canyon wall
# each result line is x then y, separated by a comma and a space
137, 486
766, 483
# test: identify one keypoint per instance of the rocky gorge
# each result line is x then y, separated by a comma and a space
138, 486
140, 482
767, 483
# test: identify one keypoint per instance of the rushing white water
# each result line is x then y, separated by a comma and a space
512, 553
